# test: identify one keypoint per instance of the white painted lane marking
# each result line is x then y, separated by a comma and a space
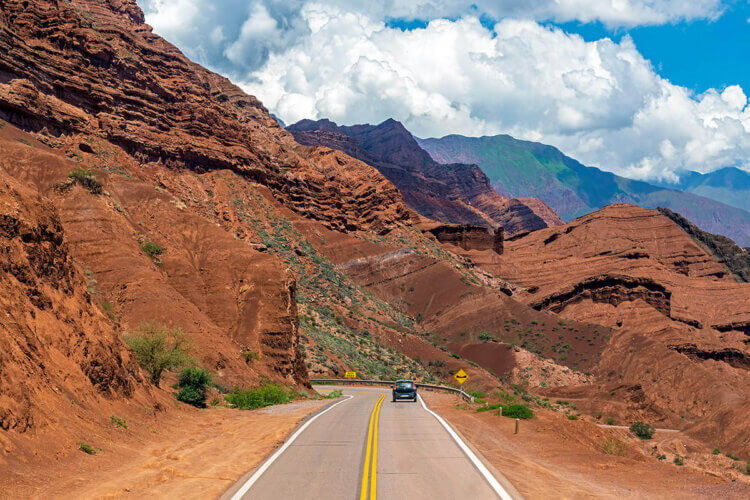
470, 454
249, 483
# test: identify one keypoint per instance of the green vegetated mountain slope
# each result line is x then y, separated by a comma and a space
728, 185
524, 168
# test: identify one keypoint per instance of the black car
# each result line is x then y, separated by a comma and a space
404, 389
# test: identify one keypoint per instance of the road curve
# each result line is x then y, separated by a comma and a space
402, 446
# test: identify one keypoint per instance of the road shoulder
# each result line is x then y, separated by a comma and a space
186, 454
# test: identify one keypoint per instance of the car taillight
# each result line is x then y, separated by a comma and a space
395, 386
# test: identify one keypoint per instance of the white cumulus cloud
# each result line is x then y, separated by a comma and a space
600, 102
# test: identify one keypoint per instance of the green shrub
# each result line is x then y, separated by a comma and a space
572, 416
506, 397
661, 456
715, 452
614, 446
119, 422
485, 337
86, 448
193, 383
250, 355
86, 179
488, 407
679, 460
152, 250
517, 411
334, 394
643, 431
609, 421
729, 455
157, 348
266, 395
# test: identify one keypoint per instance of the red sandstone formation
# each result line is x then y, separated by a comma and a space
457, 193
469, 237
679, 344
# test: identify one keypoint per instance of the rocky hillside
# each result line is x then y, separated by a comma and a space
726, 251
63, 363
456, 192
523, 168
138, 186
676, 321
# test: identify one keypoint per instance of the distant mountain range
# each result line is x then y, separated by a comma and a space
524, 168
456, 193
728, 185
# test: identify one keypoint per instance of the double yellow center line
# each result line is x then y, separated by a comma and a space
371, 455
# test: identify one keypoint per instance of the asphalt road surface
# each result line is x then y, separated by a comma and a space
366, 446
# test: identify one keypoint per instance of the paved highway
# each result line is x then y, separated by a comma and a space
365, 446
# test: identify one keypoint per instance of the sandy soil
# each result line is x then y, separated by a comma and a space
187, 454
553, 457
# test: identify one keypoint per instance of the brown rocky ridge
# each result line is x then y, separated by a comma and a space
457, 193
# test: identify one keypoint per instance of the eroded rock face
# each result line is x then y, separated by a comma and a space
469, 237
610, 289
54, 343
455, 193
678, 320
95, 68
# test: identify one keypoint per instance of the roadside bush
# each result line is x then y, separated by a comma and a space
193, 383
157, 348
86, 179
266, 395
609, 421
334, 394
488, 407
572, 416
679, 460
517, 411
643, 431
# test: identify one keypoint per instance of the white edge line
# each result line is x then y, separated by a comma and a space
249, 483
470, 454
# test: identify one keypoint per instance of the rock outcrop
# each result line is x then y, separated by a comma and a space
56, 347
96, 69
454, 193
678, 319
469, 237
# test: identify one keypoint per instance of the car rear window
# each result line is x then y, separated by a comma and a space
405, 385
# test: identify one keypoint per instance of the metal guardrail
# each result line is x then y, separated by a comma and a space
460, 392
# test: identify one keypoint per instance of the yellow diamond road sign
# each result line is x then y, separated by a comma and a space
461, 376
350, 375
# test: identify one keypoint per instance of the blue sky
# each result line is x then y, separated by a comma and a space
699, 54
643, 88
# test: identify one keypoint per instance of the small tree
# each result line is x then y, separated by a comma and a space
643, 431
157, 348
194, 384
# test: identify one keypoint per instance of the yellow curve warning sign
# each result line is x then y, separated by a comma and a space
461, 376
